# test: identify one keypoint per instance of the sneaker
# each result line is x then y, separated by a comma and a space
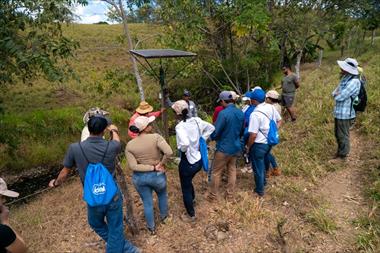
187, 218
244, 170
152, 231
166, 219
276, 172
338, 160
249, 170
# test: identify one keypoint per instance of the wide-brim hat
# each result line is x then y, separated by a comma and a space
349, 65
144, 107
142, 122
5, 192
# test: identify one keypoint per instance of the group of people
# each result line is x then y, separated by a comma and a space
235, 130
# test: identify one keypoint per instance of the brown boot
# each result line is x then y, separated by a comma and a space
276, 172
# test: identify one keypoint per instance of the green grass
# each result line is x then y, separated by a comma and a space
323, 221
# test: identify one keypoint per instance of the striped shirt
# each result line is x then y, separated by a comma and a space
344, 95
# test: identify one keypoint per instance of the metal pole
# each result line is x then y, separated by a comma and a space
164, 114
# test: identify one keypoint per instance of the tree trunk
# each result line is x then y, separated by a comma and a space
373, 37
319, 64
130, 44
298, 65
283, 51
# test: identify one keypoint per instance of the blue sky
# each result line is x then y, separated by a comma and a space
94, 12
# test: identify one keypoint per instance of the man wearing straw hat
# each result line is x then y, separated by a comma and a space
146, 110
344, 113
10, 241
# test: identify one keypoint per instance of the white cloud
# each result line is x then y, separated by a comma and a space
94, 12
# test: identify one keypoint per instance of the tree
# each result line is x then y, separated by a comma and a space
31, 39
232, 38
119, 12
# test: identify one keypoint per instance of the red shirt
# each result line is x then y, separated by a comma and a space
217, 110
133, 118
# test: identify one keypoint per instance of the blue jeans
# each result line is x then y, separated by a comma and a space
272, 160
107, 222
147, 182
187, 172
260, 163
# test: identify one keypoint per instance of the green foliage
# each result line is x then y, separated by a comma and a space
31, 39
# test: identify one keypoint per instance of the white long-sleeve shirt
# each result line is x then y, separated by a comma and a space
187, 135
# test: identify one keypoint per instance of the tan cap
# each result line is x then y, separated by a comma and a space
144, 107
142, 122
272, 94
179, 106
4, 190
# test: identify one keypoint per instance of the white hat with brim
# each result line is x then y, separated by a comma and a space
349, 67
142, 122
5, 192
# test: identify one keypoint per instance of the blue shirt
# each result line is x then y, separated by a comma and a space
247, 113
229, 128
344, 95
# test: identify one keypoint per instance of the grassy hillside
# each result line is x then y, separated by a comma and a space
40, 120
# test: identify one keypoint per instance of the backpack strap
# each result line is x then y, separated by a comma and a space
83, 153
105, 152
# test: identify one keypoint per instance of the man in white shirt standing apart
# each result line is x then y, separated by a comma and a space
258, 146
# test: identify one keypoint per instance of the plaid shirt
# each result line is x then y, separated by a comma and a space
344, 94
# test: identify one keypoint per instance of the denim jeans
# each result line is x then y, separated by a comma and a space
272, 160
107, 222
145, 183
260, 163
187, 172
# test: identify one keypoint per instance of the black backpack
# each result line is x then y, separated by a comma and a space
362, 97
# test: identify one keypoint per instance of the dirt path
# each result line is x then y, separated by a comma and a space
342, 191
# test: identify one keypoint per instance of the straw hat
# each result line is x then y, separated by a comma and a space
4, 190
349, 65
144, 107
179, 106
142, 122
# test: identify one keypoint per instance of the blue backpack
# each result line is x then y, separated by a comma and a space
203, 150
99, 186
273, 137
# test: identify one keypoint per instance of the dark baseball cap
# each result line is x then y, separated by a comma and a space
97, 124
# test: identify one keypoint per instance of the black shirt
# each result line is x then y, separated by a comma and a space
7, 237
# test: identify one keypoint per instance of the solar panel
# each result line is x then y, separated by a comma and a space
161, 53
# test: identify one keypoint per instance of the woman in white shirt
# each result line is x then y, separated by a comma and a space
188, 132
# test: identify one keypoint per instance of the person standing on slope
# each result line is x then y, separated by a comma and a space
289, 84
344, 113
106, 219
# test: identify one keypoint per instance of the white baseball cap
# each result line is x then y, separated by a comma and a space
4, 190
179, 106
142, 122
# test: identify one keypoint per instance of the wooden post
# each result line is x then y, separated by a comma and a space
122, 183
163, 97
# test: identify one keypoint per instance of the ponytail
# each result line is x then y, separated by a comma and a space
184, 114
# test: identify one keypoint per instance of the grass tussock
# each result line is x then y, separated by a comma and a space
323, 221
